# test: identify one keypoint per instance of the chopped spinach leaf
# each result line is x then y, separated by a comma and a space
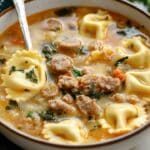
64, 11
97, 96
82, 50
48, 50
48, 115
32, 76
77, 72
149, 7
13, 69
128, 31
30, 114
12, 105
26, 90
121, 60
94, 94
2, 61
122, 32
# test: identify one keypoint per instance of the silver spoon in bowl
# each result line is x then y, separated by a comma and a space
20, 8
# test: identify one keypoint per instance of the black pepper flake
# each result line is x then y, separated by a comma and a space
121, 60
2, 61
12, 105
64, 11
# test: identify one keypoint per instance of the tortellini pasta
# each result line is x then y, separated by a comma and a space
122, 118
95, 25
24, 75
70, 131
136, 50
138, 82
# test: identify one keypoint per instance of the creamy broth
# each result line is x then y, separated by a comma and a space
97, 83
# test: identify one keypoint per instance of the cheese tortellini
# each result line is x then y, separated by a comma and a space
24, 75
136, 50
138, 82
70, 131
95, 25
122, 118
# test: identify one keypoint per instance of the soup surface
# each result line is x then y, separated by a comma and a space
87, 78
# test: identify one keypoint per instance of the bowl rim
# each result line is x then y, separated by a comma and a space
84, 146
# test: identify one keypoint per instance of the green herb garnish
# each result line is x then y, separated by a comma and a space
77, 72
30, 114
82, 50
32, 76
128, 31
129, 24
13, 69
12, 105
121, 60
48, 115
94, 94
49, 50
122, 32
2, 61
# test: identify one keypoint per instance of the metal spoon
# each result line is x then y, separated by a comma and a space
20, 8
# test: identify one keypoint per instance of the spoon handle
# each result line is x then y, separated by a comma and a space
20, 8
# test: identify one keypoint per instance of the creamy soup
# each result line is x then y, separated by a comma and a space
86, 80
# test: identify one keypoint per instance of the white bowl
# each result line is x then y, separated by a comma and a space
137, 139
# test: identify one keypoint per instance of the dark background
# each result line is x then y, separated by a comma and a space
7, 145
4, 143
4, 4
